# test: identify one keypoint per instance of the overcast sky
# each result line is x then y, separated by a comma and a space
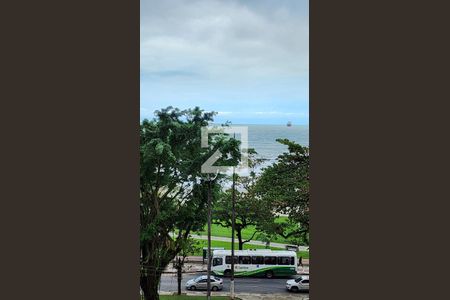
247, 60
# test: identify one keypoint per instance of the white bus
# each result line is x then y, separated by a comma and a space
268, 263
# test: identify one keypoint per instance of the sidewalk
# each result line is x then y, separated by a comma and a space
246, 296
194, 264
297, 296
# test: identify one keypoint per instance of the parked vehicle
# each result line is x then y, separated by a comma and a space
267, 263
200, 283
291, 248
298, 284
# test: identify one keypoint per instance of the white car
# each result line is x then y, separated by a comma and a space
200, 283
298, 284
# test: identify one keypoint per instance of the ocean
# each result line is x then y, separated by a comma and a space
263, 138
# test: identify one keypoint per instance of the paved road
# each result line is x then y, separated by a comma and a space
242, 285
225, 239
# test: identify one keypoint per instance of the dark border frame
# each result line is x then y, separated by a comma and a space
379, 127
378, 181
70, 138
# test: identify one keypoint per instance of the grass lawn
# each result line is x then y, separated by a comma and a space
176, 297
227, 246
304, 254
217, 230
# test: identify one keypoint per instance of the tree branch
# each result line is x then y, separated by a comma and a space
295, 232
251, 238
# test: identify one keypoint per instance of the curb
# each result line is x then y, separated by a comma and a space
241, 295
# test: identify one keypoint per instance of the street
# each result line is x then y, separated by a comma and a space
242, 285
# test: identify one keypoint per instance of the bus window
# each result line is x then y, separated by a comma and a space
218, 261
245, 260
292, 261
270, 260
228, 260
284, 261
257, 260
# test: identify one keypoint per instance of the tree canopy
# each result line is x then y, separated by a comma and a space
285, 187
173, 193
249, 210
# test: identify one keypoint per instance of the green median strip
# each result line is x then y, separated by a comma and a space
184, 297
247, 232
227, 246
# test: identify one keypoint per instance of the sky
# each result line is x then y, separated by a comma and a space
248, 60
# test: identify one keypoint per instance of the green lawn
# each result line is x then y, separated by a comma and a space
227, 246
165, 297
304, 254
217, 230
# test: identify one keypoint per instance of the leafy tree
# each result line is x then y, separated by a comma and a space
249, 210
285, 187
173, 191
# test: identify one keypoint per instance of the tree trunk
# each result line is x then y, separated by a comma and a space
239, 236
179, 266
155, 261
150, 275
150, 284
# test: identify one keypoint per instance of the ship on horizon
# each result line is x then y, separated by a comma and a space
289, 124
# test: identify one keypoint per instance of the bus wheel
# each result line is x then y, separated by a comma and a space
227, 273
269, 274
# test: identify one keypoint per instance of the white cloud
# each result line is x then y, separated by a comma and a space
219, 39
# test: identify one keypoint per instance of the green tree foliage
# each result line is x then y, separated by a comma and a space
173, 191
285, 187
249, 210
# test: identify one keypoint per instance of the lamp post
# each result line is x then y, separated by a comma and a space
208, 282
208, 279
233, 217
